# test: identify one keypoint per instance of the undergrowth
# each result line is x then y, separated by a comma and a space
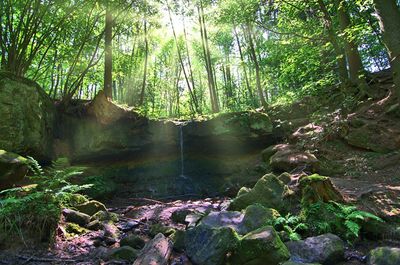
33, 212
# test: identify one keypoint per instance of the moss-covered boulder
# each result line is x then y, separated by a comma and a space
257, 216
124, 253
327, 249
318, 188
384, 256
268, 191
27, 117
76, 217
157, 251
178, 239
75, 229
160, 228
209, 246
232, 219
259, 247
133, 241
91, 207
242, 191
13, 168
104, 216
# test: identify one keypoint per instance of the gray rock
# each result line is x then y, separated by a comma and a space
76, 217
91, 207
259, 247
13, 168
156, 252
27, 117
384, 256
209, 246
133, 241
326, 249
125, 253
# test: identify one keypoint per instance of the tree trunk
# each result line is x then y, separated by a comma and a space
253, 56
108, 55
333, 38
146, 58
356, 69
389, 20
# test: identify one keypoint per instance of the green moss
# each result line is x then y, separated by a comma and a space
75, 229
160, 228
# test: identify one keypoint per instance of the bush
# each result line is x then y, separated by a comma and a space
34, 211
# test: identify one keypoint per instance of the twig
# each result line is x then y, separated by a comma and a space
35, 259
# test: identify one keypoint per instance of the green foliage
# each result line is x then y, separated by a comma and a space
291, 224
337, 218
100, 186
34, 211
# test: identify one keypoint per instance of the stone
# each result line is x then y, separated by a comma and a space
156, 252
104, 216
104, 110
76, 199
27, 117
230, 219
268, 191
291, 159
327, 249
271, 150
179, 216
76, 217
91, 207
259, 247
384, 256
74, 229
298, 263
13, 168
318, 188
178, 238
94, 225
160, 228
110, 231
133, 241
286, 178
257, 216
209, 246
374, 137
242, 191
124, 253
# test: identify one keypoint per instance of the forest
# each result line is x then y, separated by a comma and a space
204, 132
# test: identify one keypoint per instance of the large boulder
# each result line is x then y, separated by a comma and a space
327, 249
374, 137
259, 247
319, 188
291, 158
208, 245
13, 168
124, 253
257, 216
27, 117
384, 256
156, 252
268, 191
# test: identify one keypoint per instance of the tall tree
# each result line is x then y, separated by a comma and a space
389, 17
108, 82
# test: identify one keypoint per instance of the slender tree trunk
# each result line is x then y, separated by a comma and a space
389, 19
356, 69
207, 58
108, 55
253, 56
146, 43
333, 38
244, 66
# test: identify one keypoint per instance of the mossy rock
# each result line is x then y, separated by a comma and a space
257, 216
75, 229
104, 216
160, 228
384, 256
210, 245
124, 253
13, 168
91, 207
268, 191
318, 188
242, 191
133, 241
260, 247
178, 239
76, 199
